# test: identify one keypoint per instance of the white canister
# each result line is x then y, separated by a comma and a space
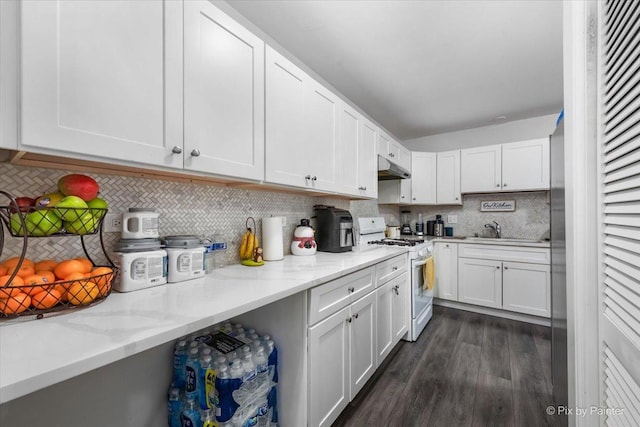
185, 257
140, 223
142, 265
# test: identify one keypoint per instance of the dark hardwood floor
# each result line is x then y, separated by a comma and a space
466, 369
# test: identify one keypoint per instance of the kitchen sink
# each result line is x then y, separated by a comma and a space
505, 240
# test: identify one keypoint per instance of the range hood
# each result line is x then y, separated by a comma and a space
388, 170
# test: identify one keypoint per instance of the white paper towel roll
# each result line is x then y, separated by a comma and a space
272, 241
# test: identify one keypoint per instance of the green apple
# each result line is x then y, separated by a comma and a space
86, 224
98, 207
43, 222
16, 225
71, 208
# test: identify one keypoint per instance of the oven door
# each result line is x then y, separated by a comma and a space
421, 298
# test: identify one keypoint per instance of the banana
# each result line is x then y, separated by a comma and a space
247, 240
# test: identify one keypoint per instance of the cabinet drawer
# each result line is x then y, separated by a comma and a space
505, 253
327, 299
390, 268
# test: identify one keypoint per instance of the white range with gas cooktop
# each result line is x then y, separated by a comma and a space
371, 233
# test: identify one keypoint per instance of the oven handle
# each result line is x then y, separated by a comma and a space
419, 263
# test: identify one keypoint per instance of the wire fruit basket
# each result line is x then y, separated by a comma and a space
35, 289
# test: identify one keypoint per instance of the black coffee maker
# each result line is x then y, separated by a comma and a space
334, 229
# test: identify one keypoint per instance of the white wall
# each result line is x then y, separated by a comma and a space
517, 130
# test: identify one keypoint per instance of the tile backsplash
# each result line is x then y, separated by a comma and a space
185, 208
530, 220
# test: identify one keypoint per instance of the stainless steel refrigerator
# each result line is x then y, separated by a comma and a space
558, 269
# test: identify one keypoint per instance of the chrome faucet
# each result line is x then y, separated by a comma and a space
495, 227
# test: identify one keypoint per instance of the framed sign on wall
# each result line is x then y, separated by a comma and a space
497, 205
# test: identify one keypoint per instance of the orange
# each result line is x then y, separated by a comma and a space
88, 265
104, 282
16, 304
26, 270
3, 270
33, 283
75, 276
47, 276
7, 291
46, 299
10, 263
66, 267
81, 293
45, 264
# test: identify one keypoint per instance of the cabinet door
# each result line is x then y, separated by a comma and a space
526, 288
363, 342
103, 78
399, 308
480, 169
385, 148
368, 160
448, 178
480, 282
445, 257
384, 329
329, 368
321, 137
8, 74
394, 192
525, 165
223, 94
285, 121
423, 178
404, 157
349, 148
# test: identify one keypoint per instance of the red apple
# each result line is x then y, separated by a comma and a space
82, 186
25, 204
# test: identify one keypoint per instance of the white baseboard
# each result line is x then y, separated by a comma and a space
543, 321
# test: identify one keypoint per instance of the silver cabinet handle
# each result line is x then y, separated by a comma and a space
498, 185
355, 316
315, 178
394, 268
446, 246
497, 267
195, 152
307, 178
349, 319
506, 268
352, 289
456, 198
414, 198
402, 197
176, 150
395, 289
391, 155
504, 185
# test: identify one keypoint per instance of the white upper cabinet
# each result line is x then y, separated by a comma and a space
103, 78
223, 94
385, 148
394, 192
525, 165
423, 178
517, 166
448, 178
8, 74
368, 160
404, 156
301, 127
481, 169
349, 147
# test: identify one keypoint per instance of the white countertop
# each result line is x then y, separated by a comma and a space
38, 353
491, 241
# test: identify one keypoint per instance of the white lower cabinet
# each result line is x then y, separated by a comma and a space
399, 308
480, 282
526, 288
507, 277
446, 266
384, 298
342, 357
329, 368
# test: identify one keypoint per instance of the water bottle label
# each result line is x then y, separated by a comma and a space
209, 423
188, 420
190, 382
251, 422
225, 343
210, 384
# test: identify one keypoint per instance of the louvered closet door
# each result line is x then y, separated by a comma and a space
620, 316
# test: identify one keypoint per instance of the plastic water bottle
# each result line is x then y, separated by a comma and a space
249, 368
221, 384
262, 365
190, 416
225, 386
191, 375
180, 355
272, 398
207, 418
175, 406
206, 380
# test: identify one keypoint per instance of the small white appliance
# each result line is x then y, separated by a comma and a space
371, 231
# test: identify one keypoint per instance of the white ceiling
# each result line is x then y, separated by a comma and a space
425, 67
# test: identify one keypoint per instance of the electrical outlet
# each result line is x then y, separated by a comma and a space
112, 223
452, 219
